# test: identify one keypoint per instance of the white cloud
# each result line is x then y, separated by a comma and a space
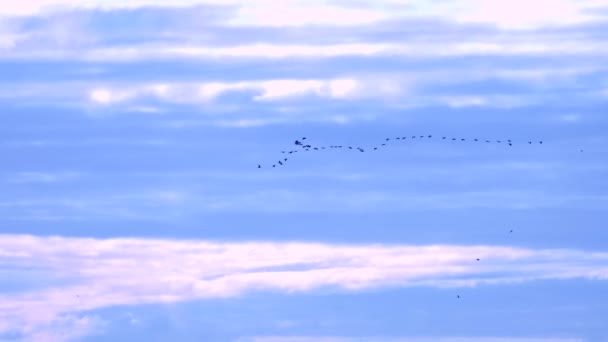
416, 49
265, 90
506, 14
96, 273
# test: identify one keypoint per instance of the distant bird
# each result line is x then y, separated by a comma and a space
383, 144
422, 136
285, 159
477, 259
282, 151
529, 142
581, 150
304, 138
443, 138
487, 141
375, 148
350, 147
413, 137
297, 142
476, 139
511, 231
430, 136
280, 162
510, 144
259, 166
316, 149
457, 296
540, 142
463, 139
398, 138
273, 165
387, 139
453, 139
403, 138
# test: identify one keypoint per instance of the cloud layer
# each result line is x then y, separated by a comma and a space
84, 274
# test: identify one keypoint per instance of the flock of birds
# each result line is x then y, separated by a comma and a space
303, 146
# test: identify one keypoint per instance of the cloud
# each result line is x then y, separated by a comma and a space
514, 14
96, 273
264, 90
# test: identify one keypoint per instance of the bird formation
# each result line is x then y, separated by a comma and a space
302, 146
306, 147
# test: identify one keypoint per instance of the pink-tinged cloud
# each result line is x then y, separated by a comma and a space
96, 273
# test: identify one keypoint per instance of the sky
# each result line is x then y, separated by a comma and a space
132, 206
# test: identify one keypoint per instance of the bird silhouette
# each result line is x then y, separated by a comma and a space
309, 147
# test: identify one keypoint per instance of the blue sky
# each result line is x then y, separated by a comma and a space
132, 208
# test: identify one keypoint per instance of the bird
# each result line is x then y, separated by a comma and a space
273, 165
443, 138
280, 162
540, 142
297, 142
387, 139
430, 136
457, 296
375, 148
259, 166
304, 138
477, 259
285, 159
476, 139
383, 144
529, 142
511, 231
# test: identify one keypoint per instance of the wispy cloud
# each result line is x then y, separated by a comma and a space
96, 273
514, 14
